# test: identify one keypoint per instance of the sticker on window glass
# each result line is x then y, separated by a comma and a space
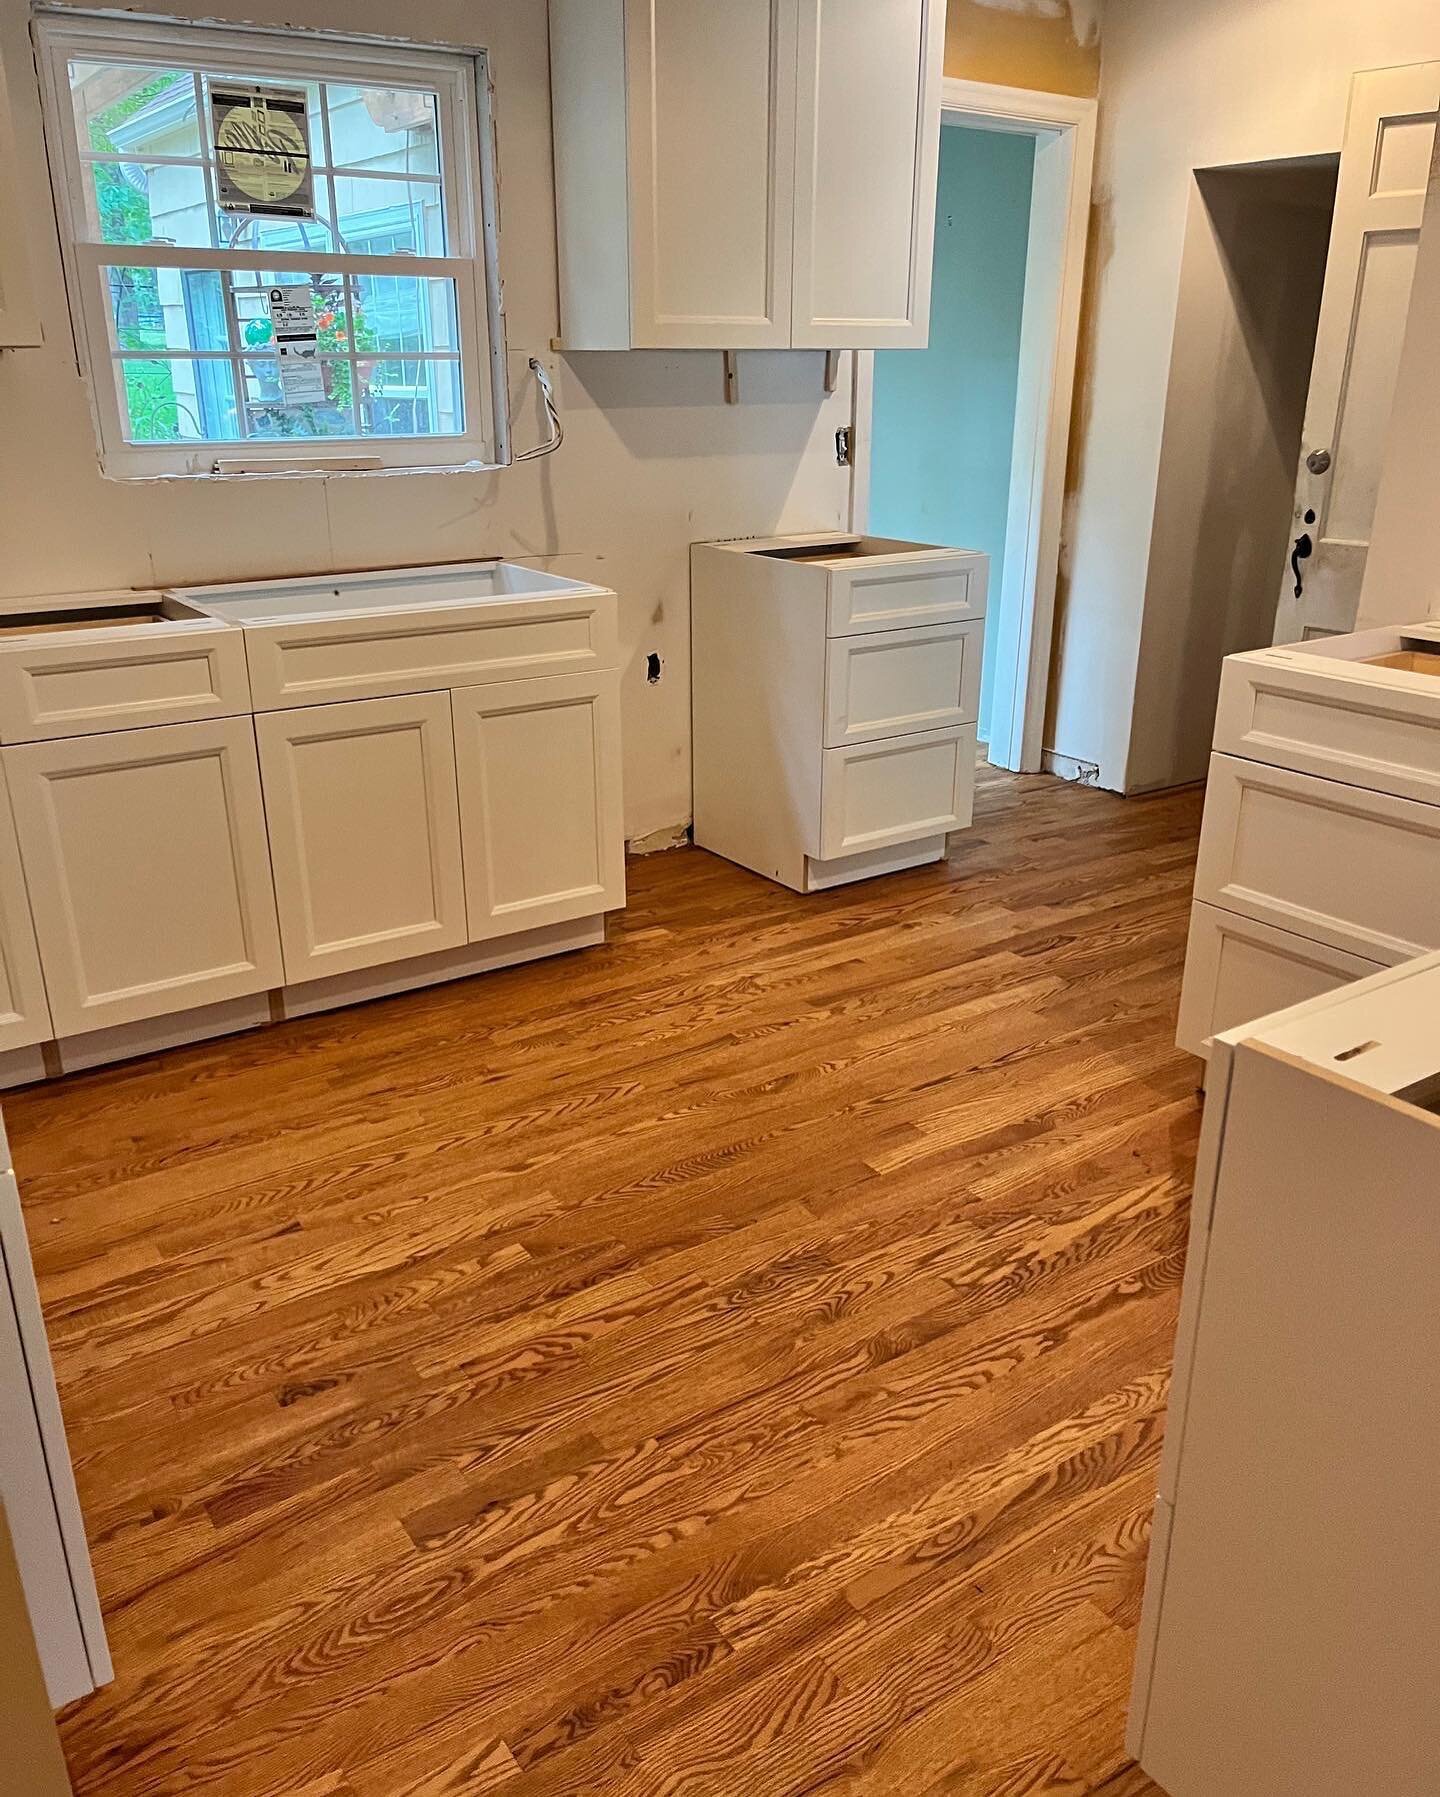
262, 150
292, 320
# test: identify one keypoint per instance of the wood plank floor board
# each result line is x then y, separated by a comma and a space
733, 1360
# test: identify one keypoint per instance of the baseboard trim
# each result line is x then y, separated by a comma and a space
102, 1048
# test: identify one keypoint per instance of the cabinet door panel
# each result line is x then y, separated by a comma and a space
866, 159
712, 134
24, 1012
539, 770
149, 871
364, 832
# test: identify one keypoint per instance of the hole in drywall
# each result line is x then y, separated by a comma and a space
653, 667
1353, 1054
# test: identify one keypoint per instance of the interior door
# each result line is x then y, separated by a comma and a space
1379, 203
867, 144
712, 142
364, 832
539, 770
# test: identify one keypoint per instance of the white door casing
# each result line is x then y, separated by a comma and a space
1379, 205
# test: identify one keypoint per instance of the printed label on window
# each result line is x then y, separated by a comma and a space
262, 150
292, 317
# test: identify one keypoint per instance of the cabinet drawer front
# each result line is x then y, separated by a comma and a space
897, 790
73, 688
893, 593
149, 871
539, 773
895, 682
1357, 870
364, 832
1238, 970
313, 661
1382, 737
24, 1009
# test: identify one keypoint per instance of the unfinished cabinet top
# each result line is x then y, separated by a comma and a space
24, 620
1400, 656
833, 549
388, 590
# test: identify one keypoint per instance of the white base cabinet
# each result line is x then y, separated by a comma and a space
1287, 1639
836, 684
161, 881
24, 1008
1320, 851
37, 1481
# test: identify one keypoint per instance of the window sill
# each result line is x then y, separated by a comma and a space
294, 470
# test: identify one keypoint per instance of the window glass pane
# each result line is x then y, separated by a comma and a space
140, 202
383, 127
407, 398
387, 218
175, 400
403, 313
270, 415
137, 111
166, 308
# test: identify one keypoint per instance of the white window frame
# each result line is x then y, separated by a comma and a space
466, 139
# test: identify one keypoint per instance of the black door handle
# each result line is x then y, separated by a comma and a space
1303, 549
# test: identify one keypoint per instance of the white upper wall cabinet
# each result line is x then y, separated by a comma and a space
745, 174
866, 147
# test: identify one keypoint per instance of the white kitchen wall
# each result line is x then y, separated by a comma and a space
1185, 84
653, 459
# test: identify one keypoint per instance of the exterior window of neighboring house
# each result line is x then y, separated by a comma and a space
172, 291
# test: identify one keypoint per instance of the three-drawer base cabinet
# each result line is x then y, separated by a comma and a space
836, 687
1320, 851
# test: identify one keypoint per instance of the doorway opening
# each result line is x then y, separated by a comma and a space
943, 424
1252, 277
964, 443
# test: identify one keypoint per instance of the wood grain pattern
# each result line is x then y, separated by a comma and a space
733, 1360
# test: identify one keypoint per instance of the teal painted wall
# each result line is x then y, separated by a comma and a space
945, 416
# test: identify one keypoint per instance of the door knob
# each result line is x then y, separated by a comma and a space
1318, 461
1303, 549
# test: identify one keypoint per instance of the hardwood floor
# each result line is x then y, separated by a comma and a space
730, 1361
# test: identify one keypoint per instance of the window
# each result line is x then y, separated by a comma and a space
178, 297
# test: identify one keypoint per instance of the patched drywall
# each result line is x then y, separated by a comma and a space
1052, 46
